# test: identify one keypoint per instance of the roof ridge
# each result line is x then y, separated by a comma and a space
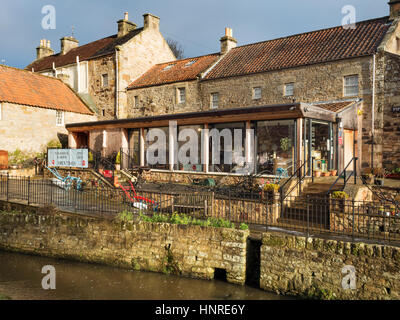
180, 60
307, 32
32, 73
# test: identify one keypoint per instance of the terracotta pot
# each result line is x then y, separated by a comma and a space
326, 174
317, 173
333, 173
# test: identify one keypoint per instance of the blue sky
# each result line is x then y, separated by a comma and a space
196, 25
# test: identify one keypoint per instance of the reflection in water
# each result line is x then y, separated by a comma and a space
20, 278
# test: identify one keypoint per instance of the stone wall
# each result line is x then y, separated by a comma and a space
158, 100
30, 128
187, 250
103, 96
313, 267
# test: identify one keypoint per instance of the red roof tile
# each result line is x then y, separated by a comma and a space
27, 88
88, 51
180, 70
303, 49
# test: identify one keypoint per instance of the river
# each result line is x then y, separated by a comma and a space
21, 277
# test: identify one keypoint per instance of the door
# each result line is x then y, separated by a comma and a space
348, 148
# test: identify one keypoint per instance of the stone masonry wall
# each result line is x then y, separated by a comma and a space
313, 267
187, 250
30, 128
158, 100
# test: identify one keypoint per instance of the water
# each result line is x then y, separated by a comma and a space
20, 278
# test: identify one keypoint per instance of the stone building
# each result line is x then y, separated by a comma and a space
101, 70
342, 81
34, 110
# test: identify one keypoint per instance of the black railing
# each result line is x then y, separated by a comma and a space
346, 177
377, 221
299, 175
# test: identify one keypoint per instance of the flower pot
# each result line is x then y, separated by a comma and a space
333, 173
118, 167
317, 173
325, 174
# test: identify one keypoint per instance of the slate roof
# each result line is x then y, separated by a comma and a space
175, 71
303, 49
31, 89
88, 51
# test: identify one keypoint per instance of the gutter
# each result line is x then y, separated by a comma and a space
116, 81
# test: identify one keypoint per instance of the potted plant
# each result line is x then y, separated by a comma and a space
286, 144
118, 161
317, 173
269, 190
380, 175
333, 172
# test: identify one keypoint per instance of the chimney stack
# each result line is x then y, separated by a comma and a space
125, 26
151, 22
228, 42
44, 49
68, 43
394, 8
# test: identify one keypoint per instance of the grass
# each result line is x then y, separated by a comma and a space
180, 219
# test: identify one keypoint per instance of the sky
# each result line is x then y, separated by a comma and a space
196, 25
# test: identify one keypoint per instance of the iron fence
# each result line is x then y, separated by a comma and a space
309, 215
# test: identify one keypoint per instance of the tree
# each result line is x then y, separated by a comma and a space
176, 48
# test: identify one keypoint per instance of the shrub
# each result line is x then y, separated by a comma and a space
125, 216
271, 187
243, 226
339, 195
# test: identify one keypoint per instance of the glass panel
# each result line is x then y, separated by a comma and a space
222, 166
133, 152
164, 149
191, 166
321, 143
275, 146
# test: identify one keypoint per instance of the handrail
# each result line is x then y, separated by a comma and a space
298, 174
343, 173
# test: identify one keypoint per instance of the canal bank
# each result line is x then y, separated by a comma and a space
285, 264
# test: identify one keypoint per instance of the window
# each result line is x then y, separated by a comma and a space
136, 101
59, 118
104, 80
289, 89
103, 112
181, 95
169, 66
257, 93
214, 100
188, 64
351, 86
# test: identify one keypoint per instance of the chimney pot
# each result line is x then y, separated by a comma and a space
228, 42
44, 49
125, 26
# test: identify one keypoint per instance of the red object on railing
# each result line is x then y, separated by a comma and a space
136, 197
3, 159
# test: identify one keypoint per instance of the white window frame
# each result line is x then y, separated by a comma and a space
289, 93
102, 80
181, 95
214, 103
348, 86
59, 123
259, 95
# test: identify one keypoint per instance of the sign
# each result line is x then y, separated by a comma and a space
396, 109
74, 158
340, 140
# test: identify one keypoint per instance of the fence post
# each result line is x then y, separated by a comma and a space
355, 170
308, 215
7, 186
312, 169
353, 208
29, 185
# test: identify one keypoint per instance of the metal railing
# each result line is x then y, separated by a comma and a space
344, 175
377, 221
298, 174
